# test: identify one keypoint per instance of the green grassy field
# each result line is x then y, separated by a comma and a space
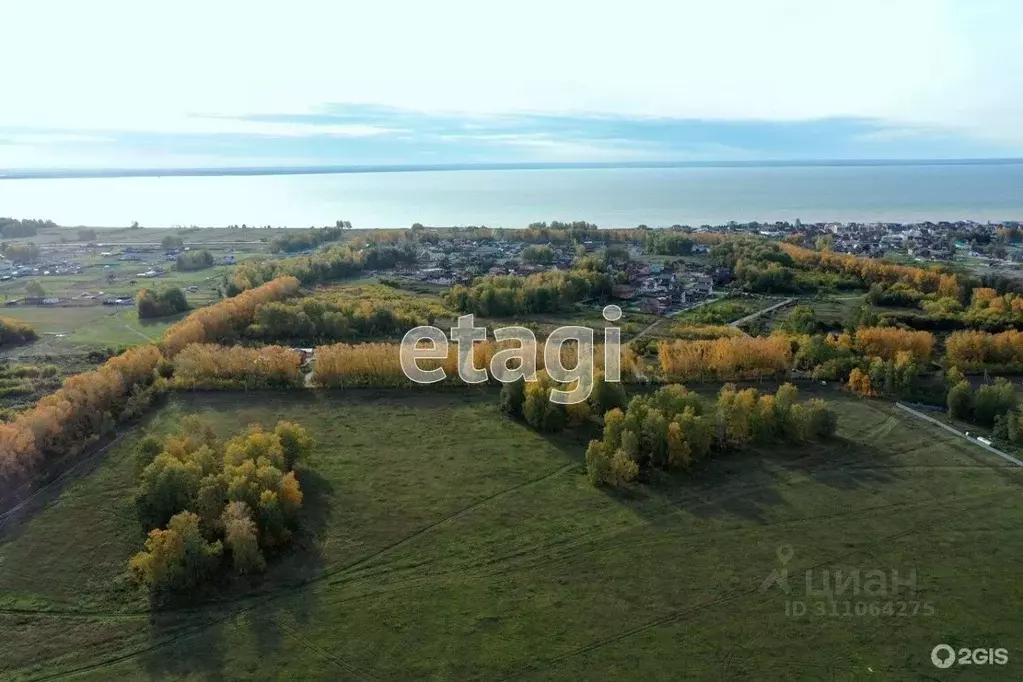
444, 541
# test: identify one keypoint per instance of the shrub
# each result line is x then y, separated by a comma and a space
513, 396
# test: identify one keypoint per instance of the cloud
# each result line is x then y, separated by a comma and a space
233, 68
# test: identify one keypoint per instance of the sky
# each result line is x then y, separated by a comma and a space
111, 83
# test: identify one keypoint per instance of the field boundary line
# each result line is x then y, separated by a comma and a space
52, 484
959, 433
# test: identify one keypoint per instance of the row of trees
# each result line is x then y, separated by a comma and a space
225, 320
152, 303
530, 401
668, 429
203, 366
12, 228
866, 270
223, 503
194, 260
502, 296
977, 350
987, 405
359, 312
724, 359
888, 342
379, 364
302, 240
338, 261
15, 332
703, 332
87, 407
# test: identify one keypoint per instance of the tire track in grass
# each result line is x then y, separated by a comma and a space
337, 661
679, 615
286, 591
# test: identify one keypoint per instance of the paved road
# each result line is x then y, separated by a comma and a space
948, 428
744, 320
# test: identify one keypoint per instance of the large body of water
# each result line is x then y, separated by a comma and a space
614, 197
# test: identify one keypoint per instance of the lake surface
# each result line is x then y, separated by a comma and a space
615, 197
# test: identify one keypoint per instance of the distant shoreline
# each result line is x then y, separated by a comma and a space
85, 173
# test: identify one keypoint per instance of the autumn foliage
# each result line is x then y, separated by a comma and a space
86, 407
725, 359
870, 270
973, 350
886, 342
669, 429
209, 366
222, 502
15, 332
224, 321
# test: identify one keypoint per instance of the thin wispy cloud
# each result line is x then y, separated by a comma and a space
393, 81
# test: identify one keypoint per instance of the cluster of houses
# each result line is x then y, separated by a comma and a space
924, 240
11, 270
458, 261
659, 289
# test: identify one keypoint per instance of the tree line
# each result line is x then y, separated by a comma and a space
977, 350
152, 303
303, 240
335, 262
724, 359
227, 319
668, 429
89, 406
15, 332
215, 505
12, 228
351, 313
203, 366
507, 295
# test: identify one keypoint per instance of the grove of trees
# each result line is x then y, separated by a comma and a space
15, 332
194, 260
11, 228
669, 429
215, 505
152, 303
302, 240
977, 350
19, 252
506, 295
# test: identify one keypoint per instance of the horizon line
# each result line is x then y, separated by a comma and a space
85, 173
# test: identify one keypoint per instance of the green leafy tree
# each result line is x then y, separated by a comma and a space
513, 397
296, 443
960, 401
241, 538
34, 288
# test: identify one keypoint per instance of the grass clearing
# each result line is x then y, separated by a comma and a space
453, 543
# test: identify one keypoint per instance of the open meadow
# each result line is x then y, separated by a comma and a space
442, 540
